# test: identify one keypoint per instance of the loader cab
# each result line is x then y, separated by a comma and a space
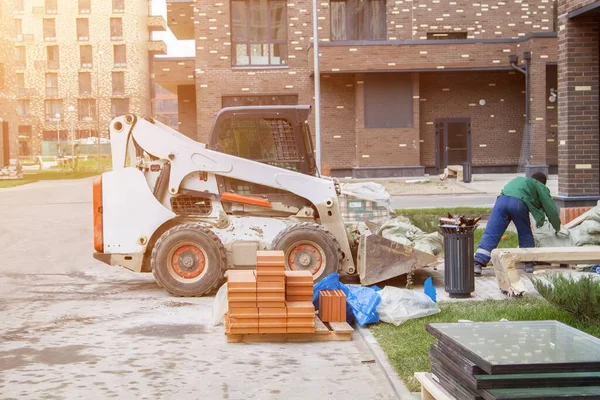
274, 135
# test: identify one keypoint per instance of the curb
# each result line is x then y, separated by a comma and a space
398, 385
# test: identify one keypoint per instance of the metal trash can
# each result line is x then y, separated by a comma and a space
459, 275
466, 172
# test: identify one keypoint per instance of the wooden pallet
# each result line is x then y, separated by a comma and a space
430, 389
324, 332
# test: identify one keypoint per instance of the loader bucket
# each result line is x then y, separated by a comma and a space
380, 259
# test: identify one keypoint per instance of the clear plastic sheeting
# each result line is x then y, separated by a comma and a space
400, 305
400, 230
220, 306
368, 191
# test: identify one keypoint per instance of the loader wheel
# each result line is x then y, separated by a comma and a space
188, 260
309, 247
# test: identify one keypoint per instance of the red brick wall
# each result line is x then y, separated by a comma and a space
498, 125
578, 84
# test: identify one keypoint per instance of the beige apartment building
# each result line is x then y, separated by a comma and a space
77, 64
8, 118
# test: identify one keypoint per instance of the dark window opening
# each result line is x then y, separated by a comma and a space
116, 29
119, 107
120, 56
51, 7
118, 6
53, 108
358, 20
51, 84
18, 30
259, 32
86, 56
20, 57
85, 84
52, 57
85, 6
19, 7
49, 29
23, 108
388, 101
86, 109
266, 140
118, 83
264, 100
446, 35
83, 29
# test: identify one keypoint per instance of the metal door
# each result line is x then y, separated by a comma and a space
452, 141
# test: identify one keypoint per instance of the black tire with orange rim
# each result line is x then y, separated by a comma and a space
189, 260
311, 247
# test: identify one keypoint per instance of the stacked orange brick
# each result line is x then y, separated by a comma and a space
258, 302
332, 306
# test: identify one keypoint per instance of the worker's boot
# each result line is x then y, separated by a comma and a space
529, 267
478, 268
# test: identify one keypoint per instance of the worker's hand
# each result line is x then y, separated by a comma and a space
563, 232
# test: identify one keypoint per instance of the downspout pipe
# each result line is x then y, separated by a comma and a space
513, 59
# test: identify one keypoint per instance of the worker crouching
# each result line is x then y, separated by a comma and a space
520, 197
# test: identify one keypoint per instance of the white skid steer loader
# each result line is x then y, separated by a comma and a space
188, 212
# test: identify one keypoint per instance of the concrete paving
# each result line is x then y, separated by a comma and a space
75, 328
486, 188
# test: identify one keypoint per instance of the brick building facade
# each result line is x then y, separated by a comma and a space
407, 86
578, 84
74, 61
8, 118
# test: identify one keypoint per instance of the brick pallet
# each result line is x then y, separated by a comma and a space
270, 304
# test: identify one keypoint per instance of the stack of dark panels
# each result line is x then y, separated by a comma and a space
515, 360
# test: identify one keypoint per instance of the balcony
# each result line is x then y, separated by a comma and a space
172, 72
157, 47
426, 55
180, 18
156, 23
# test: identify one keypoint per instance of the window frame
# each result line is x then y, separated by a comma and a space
79, 84
48, 10
120, 64
350, 28
89, 65
50, 117
84, 10
53, 22
119, 24
249, 42
21, 63
24, 111
80, 37
52, 64
118, 10
118, 92
52, 77
83, 114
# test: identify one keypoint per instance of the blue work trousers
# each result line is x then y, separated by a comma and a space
505, 210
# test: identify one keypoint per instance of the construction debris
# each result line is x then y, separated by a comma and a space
452, 224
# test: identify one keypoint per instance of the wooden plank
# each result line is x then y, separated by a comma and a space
430, 389
341, 327
579, 219
322, 334
508, 277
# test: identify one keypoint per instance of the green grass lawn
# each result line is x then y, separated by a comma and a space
407, 345
46, 176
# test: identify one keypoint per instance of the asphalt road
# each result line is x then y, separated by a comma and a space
75, 328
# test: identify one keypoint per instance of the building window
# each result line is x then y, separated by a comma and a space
358, 20
19, 7
20, 57
51, 7
259, 32
85, 6
86, 109
1, 76
118, 83
51, 84
85, 84
83, 29
270, 100
120, 56
53, 107
52, 57
388, 100
85, 56
119, 107
446, 35
23, 108
21, 92
49, 29
116, 29
18, 29
118, 6
25, 140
